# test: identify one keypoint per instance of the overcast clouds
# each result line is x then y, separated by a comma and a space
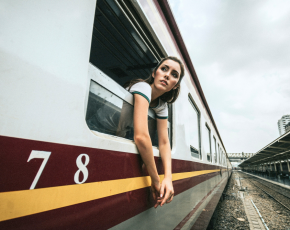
241, 54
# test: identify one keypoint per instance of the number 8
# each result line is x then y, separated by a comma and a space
82, 168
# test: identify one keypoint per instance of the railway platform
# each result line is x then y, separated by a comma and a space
271, 162
284, 182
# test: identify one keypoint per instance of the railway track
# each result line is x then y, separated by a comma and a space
280, 190
280, 195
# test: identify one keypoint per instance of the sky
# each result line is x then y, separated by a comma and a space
241, 53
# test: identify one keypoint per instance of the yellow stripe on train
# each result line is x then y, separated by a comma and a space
27, 202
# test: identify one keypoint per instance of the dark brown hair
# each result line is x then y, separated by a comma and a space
170, 96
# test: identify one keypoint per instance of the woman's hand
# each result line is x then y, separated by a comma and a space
155, 188
166, 191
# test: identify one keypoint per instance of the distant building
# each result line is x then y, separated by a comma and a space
282, 123
287, 127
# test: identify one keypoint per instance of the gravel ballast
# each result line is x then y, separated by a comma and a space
230, 211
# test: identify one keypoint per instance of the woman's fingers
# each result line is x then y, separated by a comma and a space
168, 195
162, 190
155, 188
170, 198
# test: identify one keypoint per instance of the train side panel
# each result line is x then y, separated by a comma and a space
56, 172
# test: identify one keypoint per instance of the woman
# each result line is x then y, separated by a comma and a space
160, 88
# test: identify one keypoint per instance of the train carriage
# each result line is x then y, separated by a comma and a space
65, 162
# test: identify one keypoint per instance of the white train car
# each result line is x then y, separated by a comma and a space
63, 166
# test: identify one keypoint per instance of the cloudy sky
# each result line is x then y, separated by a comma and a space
241, 53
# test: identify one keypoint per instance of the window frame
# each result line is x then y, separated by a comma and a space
215, 155
195, 107
218, 156
99, 77
221, 155
209, 139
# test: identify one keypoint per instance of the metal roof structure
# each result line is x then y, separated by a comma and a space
240, 155
277, 150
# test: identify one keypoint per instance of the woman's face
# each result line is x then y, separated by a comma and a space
167, 75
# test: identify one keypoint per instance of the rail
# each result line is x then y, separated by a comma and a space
272, 195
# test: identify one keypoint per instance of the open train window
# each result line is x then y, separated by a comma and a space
215, 152
122, 49
194, 127
113, 115
208, 143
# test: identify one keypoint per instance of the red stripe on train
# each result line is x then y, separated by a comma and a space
18, 174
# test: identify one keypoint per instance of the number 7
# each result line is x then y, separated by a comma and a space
38, 154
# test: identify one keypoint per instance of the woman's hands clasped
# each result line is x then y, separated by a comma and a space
162, 193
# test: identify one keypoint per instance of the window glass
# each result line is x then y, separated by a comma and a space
208, 144
109, 114
118, 48
194, 131
214, 149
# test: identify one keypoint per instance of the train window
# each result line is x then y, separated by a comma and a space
221, 156
225, 159
218, 153
208, 143
194, 127
215, 153
122, 49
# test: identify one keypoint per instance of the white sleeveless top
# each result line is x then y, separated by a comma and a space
144, 89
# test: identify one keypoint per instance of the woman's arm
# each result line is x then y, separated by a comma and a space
165, 152
143, 141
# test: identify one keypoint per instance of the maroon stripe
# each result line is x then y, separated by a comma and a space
98, 214
18, 174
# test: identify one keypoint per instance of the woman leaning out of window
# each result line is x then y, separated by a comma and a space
162, 87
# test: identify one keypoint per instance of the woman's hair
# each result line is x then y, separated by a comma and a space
170, 96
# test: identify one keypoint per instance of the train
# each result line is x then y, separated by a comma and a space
63, 164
